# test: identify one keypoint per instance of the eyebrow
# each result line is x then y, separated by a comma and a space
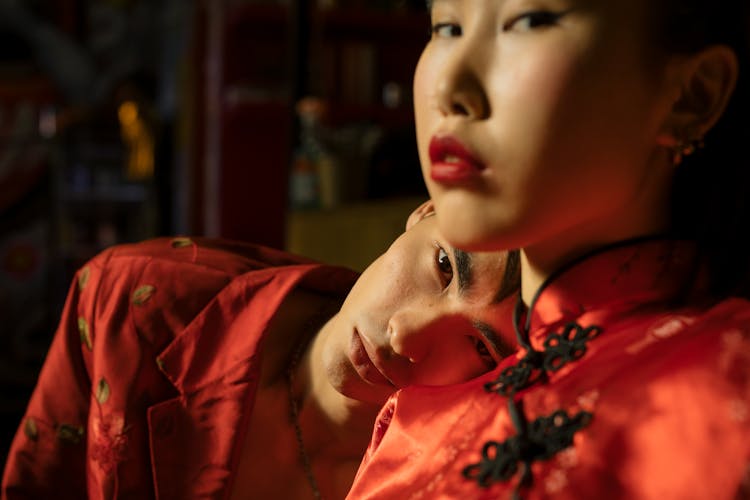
463, 266
511, 282
508, 285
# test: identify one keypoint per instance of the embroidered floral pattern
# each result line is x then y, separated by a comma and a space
587, 400
83, 278
383, 422
734, 358
85, 333
662, 329
102, 391
109, 445
181, 242
555, 482
71, 434
738, 410
142, 294
30, 429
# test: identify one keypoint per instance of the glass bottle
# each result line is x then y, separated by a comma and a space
314, 173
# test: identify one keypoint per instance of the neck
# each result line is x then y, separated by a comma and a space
331, 423
540, 261
647, 213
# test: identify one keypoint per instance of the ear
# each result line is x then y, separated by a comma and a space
706, 80
426, 209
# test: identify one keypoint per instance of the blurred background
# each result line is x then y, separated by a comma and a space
282, 122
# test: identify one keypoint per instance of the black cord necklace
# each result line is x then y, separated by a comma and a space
304, 457
310, 329
545, 436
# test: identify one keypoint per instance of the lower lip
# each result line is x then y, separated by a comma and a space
452, 173
363, 364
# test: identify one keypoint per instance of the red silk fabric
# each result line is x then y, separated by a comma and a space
669, 390
148, 386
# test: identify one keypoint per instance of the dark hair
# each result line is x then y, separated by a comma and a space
512, 277
711, 190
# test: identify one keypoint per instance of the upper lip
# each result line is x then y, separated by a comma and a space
447, 147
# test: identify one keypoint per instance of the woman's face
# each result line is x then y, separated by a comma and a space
422, 313
537, 121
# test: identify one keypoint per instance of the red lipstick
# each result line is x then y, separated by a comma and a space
451, 162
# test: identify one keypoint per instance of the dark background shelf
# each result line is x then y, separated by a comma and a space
215, 84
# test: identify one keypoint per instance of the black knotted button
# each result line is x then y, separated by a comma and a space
545, 436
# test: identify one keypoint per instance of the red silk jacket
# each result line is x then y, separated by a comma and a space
149, 383
617, 395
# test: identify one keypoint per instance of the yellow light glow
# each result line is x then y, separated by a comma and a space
137, 137
128, 113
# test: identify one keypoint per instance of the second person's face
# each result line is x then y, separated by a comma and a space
422, 313
536, 120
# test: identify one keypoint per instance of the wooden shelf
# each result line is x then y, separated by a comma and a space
266, 18
343, 112
384, 27
376, 224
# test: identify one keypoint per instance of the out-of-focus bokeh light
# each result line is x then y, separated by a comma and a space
138, 139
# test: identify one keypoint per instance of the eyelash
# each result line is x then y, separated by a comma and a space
536, 19
481, 348
484, 352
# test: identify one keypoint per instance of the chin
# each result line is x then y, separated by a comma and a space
345, 380
472, 235
473, 223
369, 399
363, 392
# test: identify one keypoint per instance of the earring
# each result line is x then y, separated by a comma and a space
685, 148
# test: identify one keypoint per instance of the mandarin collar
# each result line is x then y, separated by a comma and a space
633, 272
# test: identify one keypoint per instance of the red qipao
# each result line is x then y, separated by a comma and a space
619, 394
149, 383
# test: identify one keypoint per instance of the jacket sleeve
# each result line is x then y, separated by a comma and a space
47, 458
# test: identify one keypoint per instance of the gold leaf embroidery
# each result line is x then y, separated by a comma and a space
30, 429
70, 433
181, 242
83, 278
84, 333
142, 294
102, 391
160, 364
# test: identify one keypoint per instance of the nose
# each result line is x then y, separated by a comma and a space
459, 85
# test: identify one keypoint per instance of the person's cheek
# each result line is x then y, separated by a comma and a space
455, 364
425, 78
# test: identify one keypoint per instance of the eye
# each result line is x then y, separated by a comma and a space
444, 266
446, 30
484, 352
533, 20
